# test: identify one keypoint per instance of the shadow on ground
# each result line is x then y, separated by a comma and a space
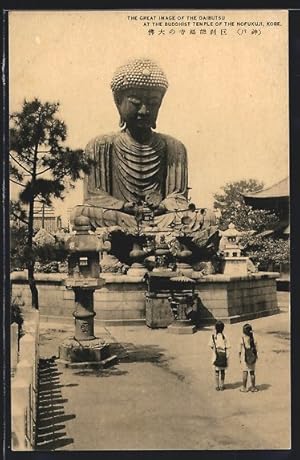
281, 334
263, 386
233, 386
104, 373
51, 434
142, 353
153, 354
127, 352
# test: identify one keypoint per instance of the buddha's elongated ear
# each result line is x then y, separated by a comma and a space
122, 124
118, 96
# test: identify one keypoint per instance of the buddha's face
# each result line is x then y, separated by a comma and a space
139, 107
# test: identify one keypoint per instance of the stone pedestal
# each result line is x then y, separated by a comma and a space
235, 266
122, 300
89, 353
181, 304
158, 311
84, 349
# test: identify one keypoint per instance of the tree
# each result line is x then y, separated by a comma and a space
233, 209
41, 165
264, 249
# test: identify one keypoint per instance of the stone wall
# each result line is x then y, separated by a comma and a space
233, 298
122, 299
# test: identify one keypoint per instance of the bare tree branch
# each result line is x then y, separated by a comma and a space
16, 182
42, 172
19, 218
20, 164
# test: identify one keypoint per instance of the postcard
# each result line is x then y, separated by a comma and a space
149, 190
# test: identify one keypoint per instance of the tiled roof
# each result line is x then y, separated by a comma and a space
280, 189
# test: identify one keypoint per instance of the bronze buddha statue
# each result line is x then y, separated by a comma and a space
137, 168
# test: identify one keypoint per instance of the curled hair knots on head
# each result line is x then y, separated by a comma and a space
139, 73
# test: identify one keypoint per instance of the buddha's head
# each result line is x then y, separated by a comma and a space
138, 88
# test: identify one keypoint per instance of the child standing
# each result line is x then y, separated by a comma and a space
220, 354
248, 357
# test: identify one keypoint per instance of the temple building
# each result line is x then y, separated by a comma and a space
275, 198
44, 217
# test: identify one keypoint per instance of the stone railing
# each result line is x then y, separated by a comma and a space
24, 384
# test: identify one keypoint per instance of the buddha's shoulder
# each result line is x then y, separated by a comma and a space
173, 143
102, 139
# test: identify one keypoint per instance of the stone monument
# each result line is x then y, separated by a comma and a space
84, 349
136, 199
233, 262
138, 185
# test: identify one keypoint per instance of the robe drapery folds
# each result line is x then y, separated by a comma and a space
126, 171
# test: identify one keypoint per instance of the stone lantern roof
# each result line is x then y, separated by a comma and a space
231, 241
83, 240
231, 231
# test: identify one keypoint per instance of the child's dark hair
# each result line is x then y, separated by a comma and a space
219, 326
247, 329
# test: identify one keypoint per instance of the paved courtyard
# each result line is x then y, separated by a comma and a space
161, 393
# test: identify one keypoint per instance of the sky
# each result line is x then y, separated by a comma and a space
228, 92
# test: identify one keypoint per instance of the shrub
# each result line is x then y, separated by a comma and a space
266, 251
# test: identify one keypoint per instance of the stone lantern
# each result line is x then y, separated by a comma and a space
84, 348
234, 263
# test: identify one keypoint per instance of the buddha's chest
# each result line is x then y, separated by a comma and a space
137, 172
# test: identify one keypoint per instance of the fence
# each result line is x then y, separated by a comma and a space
24, 387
